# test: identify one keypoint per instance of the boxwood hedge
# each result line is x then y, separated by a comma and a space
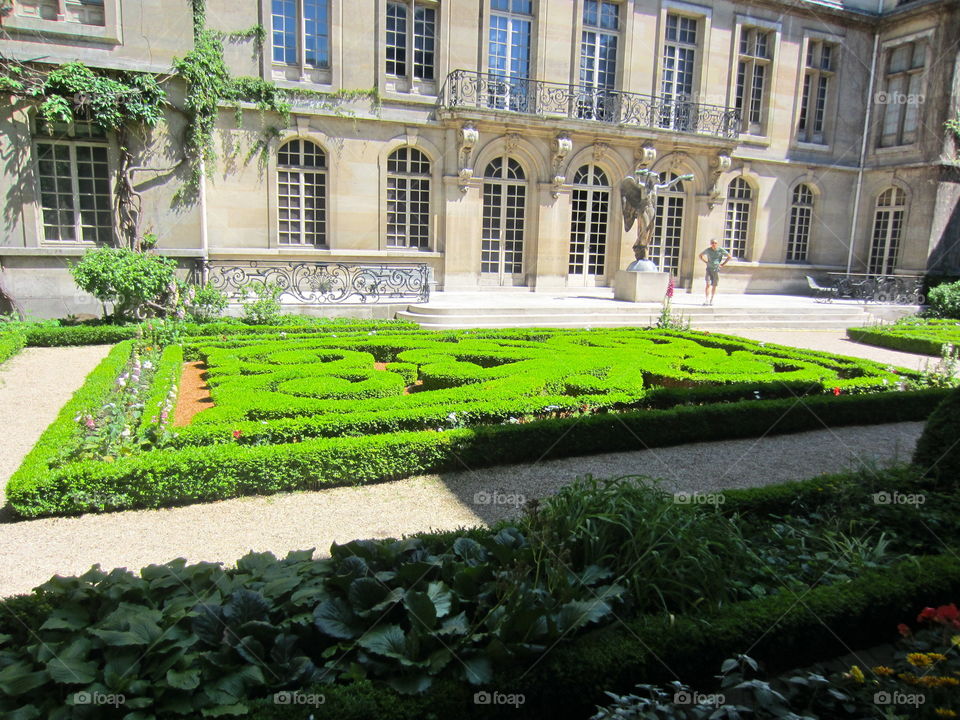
10, 344
915, 335
309, 411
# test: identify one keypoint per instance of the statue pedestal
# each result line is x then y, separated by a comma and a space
644, 286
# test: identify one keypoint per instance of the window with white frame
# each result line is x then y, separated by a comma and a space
411, 39
504, 218
665, 244
815, 95
84, 12
302, 194
887, 228
753, 78
679, 71
508, 53
736, 227
899, 104
801, 219
599, 40
408, 199
589, 221
301, 33
73, 178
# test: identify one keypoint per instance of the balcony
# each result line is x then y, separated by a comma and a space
464, 89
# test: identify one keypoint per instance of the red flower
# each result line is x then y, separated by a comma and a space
903, 629
928, 613
948, 612
237, 434
836, 391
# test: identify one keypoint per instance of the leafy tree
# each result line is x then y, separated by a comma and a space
139, 285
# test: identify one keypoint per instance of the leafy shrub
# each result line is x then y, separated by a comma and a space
938, 449
265, 308
205, 303
132, 281
943, 301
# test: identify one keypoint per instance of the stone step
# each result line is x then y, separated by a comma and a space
731, 326
620, 310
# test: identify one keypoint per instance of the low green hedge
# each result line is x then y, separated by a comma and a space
44, 335
173, 477
10, 344
782, 631
921, 336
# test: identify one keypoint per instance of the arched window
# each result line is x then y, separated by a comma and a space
801, 218
302, 194
887, 226
664, 247
589, 221
408, 199
736, 228
504, 215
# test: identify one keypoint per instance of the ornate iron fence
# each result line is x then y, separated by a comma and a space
324, 283
892, 289
484, 91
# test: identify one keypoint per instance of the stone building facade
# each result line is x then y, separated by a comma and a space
499, 131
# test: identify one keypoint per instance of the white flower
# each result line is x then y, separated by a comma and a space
125, 433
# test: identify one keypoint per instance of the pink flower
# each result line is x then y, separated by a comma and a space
836, 391
670, 286
237, 434
903, 629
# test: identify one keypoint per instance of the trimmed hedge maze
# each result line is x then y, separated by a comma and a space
913, 335
302, 411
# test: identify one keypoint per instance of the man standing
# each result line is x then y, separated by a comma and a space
715, 257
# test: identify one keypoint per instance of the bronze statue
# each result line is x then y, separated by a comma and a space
638, 198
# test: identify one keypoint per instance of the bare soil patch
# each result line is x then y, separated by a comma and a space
194, 395
409, 388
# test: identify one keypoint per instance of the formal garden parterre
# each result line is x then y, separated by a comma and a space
367, 402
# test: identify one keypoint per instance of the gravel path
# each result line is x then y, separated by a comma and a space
33, 551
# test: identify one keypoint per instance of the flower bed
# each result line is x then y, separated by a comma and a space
913, 335
289, 410
415, 628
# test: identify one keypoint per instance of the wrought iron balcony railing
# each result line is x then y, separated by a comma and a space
487, 91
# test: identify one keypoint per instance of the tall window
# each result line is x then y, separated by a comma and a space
504, 215
402, 34
598, 58
301, 32
736, 228
801, 218
900, 103
887, 227
408, 199
668, 226
302, 194
679, 67
753, 70
589, 222
508, 52
816, 88
74, 183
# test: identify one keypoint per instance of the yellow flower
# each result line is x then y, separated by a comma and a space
936, 656
944, 712
955, 640
856, 673
908, 678
884, 671
919, 660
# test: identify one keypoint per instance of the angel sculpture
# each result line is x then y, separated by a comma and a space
638, 199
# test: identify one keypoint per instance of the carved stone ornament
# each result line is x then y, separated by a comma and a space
600, 150
562, 145
719, 164
645, 156
466, 140
511, 142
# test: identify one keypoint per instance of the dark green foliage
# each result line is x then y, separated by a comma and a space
938, 449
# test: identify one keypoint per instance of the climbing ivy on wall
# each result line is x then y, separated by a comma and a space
128, 103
